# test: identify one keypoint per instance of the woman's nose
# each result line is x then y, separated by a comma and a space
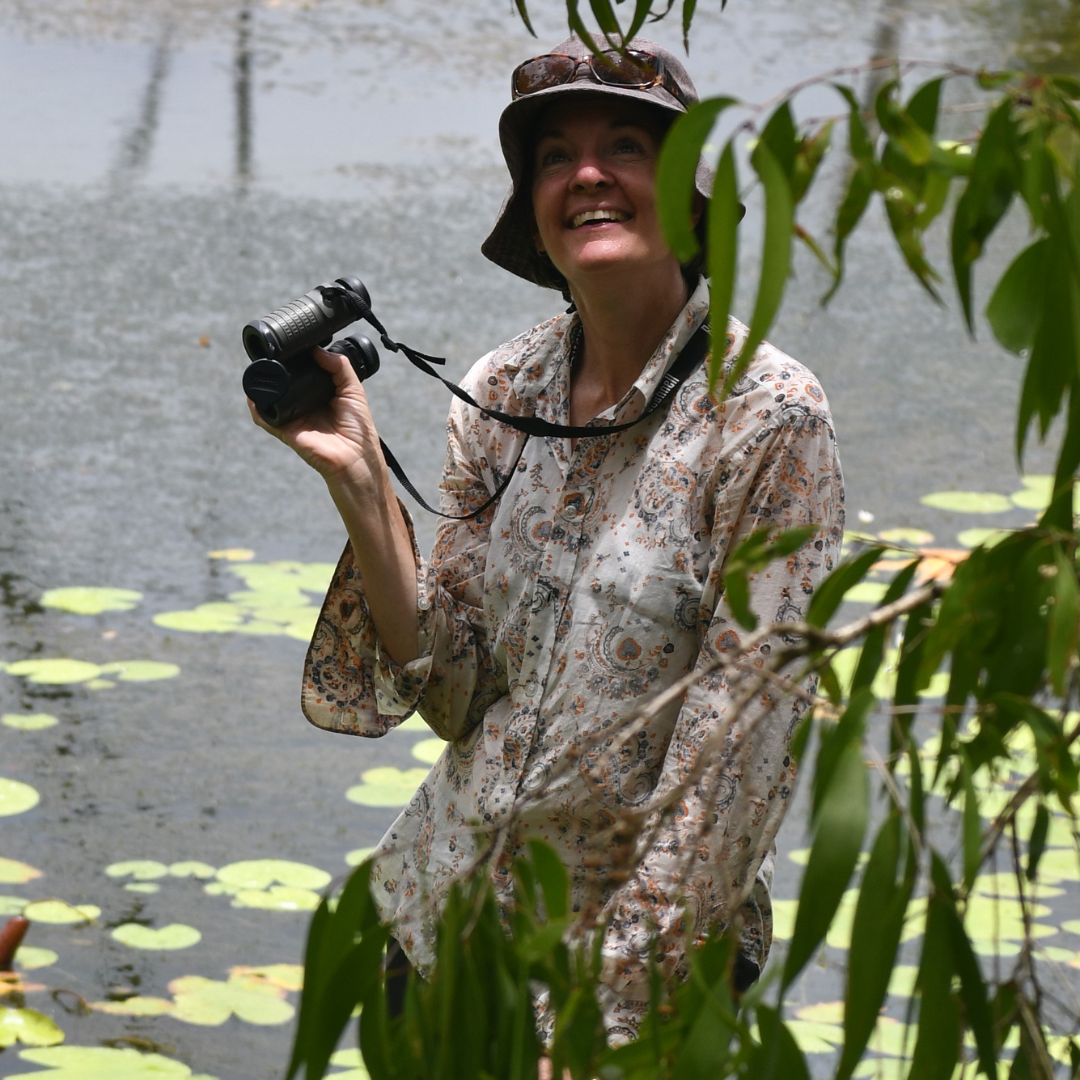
590, 175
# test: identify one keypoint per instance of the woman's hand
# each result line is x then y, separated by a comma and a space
338, 440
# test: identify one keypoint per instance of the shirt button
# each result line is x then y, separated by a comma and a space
575, 504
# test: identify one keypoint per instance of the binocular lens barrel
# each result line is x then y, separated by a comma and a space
283, 379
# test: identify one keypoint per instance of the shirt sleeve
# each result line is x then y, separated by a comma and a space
351, 685
710, 861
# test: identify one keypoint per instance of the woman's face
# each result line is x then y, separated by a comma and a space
593, 192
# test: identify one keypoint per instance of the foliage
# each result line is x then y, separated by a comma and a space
1004, 629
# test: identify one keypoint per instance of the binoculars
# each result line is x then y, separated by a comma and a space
283, 379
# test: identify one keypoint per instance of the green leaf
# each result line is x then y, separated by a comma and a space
173, 936
86, 600
551, 874
523, 13
912, 139
675, 173
775, 257
972, 825
779, 1056
1016, 306
779, 136
725, 212
838, 834
830, 593
1037, 841
605, 19
753, 554
810, 152
923, 106
887, 886
1062, 624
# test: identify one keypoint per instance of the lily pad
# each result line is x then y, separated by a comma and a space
970, 538
912, 537
277, 898
173, 936
141, 670
192, 869
134, 1006
205, 619
283, 976
84, 600
16, 797
386, 786
414, 723
428, 750
60, 913
357, 855
28, 721
17, 873
32, 957
232, 554
103, 1063
147, 887
261, 873
57, 671
210, 1003
11, 905
139, 869
967, 502
29, 1027
352, 1061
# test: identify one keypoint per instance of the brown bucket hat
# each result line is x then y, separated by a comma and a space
511, 244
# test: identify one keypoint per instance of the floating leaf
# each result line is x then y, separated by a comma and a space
358, 855
139, 869
913, 537
386, 786
28, 721
261, 873
31, 957
29, 1027
142, 887
16, 797
205, 619
974, 537
56, 671
428, 750
134, 1006
84, 600
967, 502
16, 873
232, 554
60, 913
173, 936
102, 1063
284, 976
278, 898
192, 869
141, 670
353, 1062
12, 905
210, 1003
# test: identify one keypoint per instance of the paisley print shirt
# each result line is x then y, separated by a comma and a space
596, 580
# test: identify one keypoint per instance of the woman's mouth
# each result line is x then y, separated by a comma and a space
597, 217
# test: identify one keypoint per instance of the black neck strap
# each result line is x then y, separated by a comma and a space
691, 356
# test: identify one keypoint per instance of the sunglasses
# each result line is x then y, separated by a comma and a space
632, 70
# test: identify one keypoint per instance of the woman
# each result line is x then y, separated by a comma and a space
597, 577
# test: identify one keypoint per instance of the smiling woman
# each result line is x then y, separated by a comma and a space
596, 576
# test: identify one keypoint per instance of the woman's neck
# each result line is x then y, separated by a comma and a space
622, 326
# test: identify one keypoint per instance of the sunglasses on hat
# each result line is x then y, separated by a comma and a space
631, 70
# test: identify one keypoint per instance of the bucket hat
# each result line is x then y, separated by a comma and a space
511, 244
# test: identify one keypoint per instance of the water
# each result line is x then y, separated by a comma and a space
171, 171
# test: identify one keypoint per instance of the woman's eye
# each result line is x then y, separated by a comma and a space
552, 156
629, 146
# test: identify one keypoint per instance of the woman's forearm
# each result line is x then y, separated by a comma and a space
383, 551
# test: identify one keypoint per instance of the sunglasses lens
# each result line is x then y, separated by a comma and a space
633, 69
543, 72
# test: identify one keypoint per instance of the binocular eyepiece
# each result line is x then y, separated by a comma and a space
283, 379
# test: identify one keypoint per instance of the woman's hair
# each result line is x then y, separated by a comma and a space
547, 273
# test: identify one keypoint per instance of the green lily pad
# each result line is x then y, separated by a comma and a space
283, 976
1072, 926
103, 1063
12, 905
912, 537
816, 1038
386, 786
147, 887
210, 1003
1057, 955
141, 670
783, 912
353, 1062
56, 671
16, 797
967, 502
221, 888
173, 936
29, 1027
99, 684
902, 980
192, 869
414, 723
970, 538
60, 913
867, 592
428, 750
232, 554
278, 898
139, 869
1059, 864
357, 855
83, 600
17, 873
134, 1006
32, 957
218, 618
261, 873
28, 721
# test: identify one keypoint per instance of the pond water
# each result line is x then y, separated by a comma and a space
171, 170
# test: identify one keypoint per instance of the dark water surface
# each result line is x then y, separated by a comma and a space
170, 171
